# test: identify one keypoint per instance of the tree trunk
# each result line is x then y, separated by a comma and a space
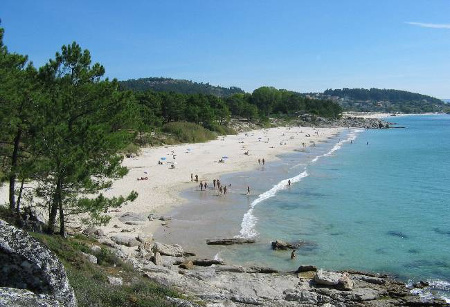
62, 228
54, 207
19, 197
12, 175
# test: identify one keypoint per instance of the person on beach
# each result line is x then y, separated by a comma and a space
248, 190
196, 178
214, 183
205, 185
218, 183
192, 177
259, 161
293, 254
289, 182
224, 190
220, 190
201, 186
263, 161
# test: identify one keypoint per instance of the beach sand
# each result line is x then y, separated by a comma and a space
160, 190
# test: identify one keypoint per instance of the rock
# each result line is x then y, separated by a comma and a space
229, 241
168, 250
27, 264
264, 270
145, 237
207, 262
96, 249
152, 217
157, 259
125, 240
169, 261
115, 281
281, 245
421, 284
165, 218
22, 297
364, 294
107, 242
306, 268
327, 278
301, 296
132, 217
345, 283
91, 258
188, 265
180, 302
93, 232
189, 254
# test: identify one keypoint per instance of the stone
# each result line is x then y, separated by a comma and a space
125, 240
96, 249
22, 297
27, 264
306, 268
132, 217
168, 249
115, 281
302, 296
187, 265
345, 283
90, 258
157, 259
145, 237
230, 241
107, 241
207, 262
281, 245
327, 278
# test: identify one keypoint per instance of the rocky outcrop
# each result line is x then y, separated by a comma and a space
354, 122
27, 264
219, 284
12, 297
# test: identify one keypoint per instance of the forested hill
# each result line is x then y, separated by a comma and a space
385, 100
178, 86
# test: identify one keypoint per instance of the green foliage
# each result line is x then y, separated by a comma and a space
90, 281
189, 132
178, 86
386, 100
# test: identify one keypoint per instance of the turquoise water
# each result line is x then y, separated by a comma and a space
374, 200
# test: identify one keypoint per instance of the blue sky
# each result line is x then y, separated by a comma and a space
297, 45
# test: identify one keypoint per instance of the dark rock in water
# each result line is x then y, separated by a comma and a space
442, 232
281, 245
27, 264
306, 268
229, 241
188, 265
397, 234
421, 284
207, 262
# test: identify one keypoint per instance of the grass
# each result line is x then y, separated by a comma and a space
185, 132
90, 281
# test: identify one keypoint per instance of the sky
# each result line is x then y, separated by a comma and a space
304, 46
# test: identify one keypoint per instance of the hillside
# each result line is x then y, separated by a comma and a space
178, 86
385, 100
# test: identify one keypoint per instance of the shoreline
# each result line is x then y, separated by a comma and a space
160, 193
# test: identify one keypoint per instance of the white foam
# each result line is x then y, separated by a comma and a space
217, 257
249, 220
435, 286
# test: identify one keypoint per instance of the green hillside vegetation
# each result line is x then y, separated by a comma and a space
178, 86
385, 100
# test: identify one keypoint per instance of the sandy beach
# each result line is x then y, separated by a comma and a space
161, 184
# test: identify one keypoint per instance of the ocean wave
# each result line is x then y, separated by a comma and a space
249, 220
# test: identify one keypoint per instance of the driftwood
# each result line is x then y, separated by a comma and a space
230, 241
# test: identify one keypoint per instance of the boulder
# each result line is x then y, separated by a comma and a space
27, 264
93, 232
90, 258
174, 250
125, 240
229, 241
157, 259
115, 281
188, 265
306, 268
334, 279
145, 237
25, 298
281, 245
132, 217
207, 262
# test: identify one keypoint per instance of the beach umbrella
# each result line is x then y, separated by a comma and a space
163, 158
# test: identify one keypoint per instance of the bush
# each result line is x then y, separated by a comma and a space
188, 132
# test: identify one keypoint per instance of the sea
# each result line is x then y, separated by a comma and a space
368, 200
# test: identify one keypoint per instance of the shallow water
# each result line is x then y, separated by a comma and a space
375, 200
